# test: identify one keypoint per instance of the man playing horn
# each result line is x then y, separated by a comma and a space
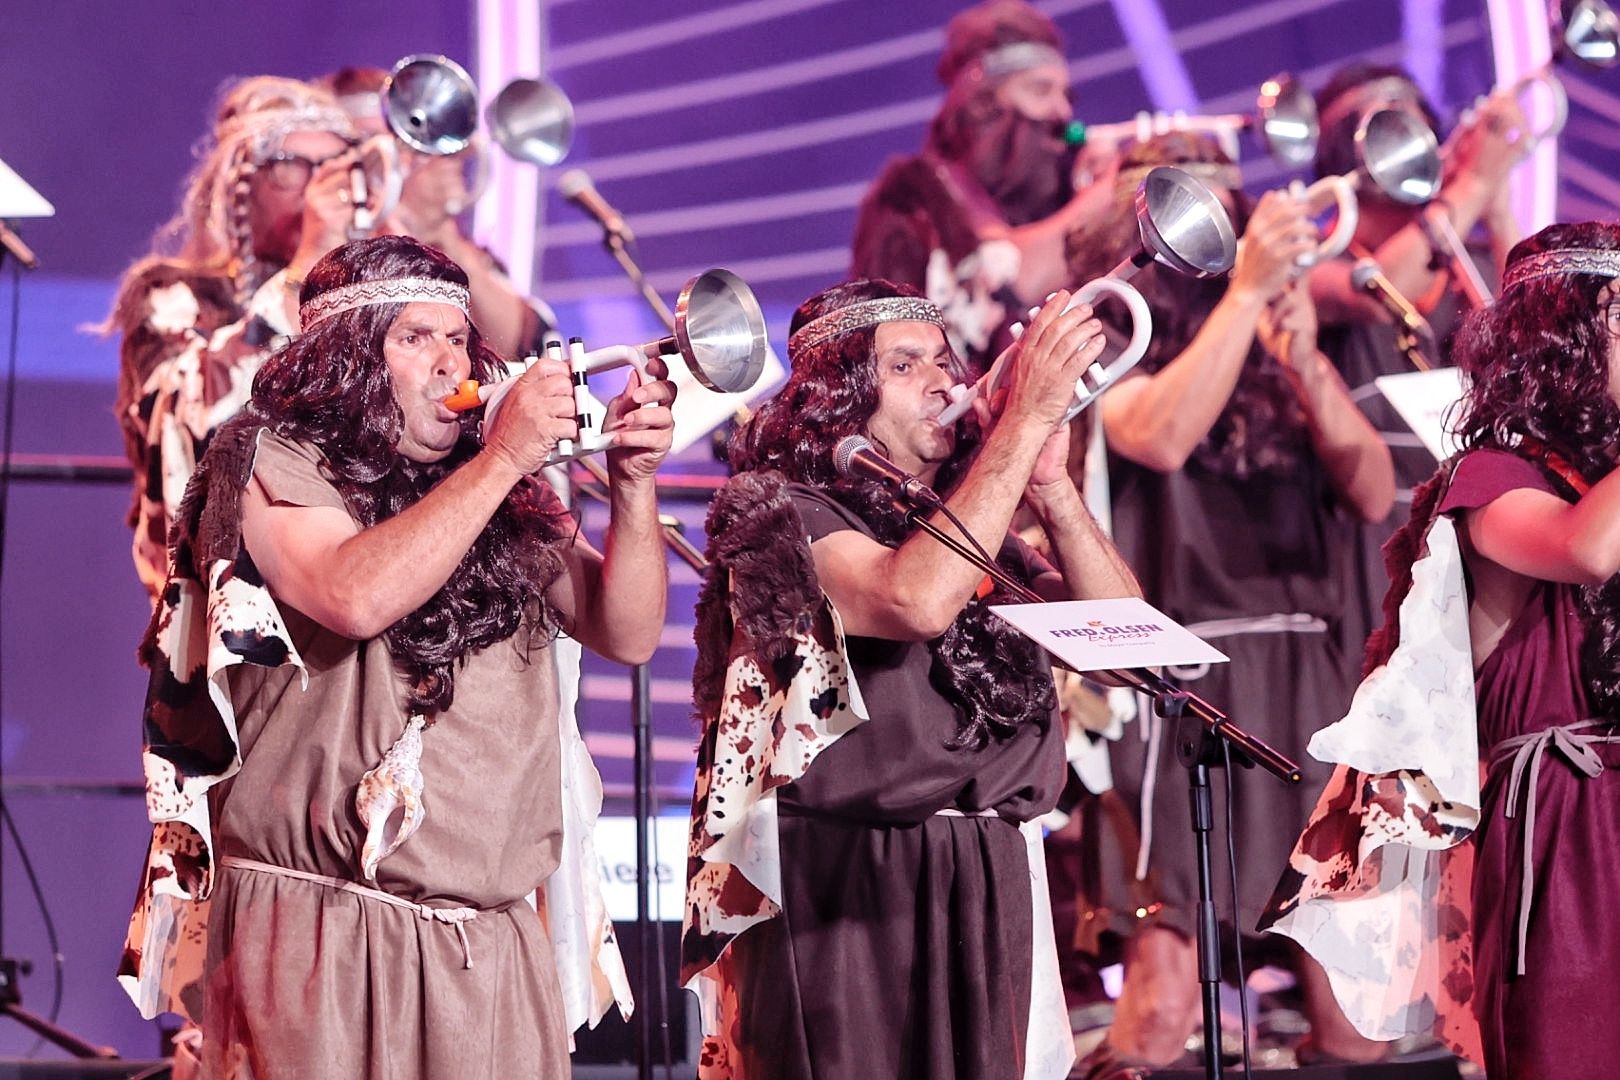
866, 894
269, 198
433, 194
353, 752
1357, 332
978, 219
1237, 466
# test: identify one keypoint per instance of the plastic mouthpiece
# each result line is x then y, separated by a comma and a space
465, 398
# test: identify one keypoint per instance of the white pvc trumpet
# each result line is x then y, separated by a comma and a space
1585, 32
1184, 227
719, 332
430, 104
1335, 193
1284, 117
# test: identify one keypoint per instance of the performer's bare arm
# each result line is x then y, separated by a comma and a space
435, 187
358, 582
1356, 459
1477, 169
1158, 420
618, 598
915, 591
1089, 566
1539, 535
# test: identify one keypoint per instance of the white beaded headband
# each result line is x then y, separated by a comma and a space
263, 128
862, 314
389, 291
1595, 261
1018, 56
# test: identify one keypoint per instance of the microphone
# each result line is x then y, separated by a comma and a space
1369, 278
854, 456
575, 186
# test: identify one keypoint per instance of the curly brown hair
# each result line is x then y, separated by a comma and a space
331, 388
1539, 363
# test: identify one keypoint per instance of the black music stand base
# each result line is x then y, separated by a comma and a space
1199, 750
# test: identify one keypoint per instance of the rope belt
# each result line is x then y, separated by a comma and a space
456, 917
1524, 753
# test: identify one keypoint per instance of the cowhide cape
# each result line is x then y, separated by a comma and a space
214, 612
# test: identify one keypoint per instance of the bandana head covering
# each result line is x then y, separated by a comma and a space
1599, 262
405, 290
997, 38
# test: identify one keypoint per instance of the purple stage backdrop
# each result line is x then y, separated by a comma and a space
731, 132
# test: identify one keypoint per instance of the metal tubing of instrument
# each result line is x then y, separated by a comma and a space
632, 269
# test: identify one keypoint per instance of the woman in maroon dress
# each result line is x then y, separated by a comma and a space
1531, 514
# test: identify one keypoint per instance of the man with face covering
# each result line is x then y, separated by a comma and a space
977, 220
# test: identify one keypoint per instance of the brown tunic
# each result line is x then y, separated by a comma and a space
305, 980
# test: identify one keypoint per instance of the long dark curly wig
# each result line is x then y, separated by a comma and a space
331, 387
1538, 359
1262, 430
999, 678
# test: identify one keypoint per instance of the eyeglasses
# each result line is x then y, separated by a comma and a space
287, 171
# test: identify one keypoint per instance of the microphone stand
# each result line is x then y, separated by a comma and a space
1199, 749
642, 784
1410, 344
1451, 252
615, 243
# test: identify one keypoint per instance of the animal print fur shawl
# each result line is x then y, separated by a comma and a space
214, 613
772, 689
1378, 888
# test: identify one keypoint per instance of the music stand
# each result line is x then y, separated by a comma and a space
19, 200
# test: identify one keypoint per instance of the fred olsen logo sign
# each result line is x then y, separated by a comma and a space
1103, 633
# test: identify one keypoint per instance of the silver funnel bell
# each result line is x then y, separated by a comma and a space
1285, 117
1588, 32
431, 104
1400, 156
533, 120
720, 331
1183, 225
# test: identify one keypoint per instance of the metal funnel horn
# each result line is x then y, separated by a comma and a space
1400, 155
1183, 224
1589, 32
431, 104
720, 331
533, 120
1285, 117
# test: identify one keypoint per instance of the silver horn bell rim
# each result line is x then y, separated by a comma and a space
431, 104
1183, 224
720, 330
1589, 32
533, 121
1400, 155
1285, 116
